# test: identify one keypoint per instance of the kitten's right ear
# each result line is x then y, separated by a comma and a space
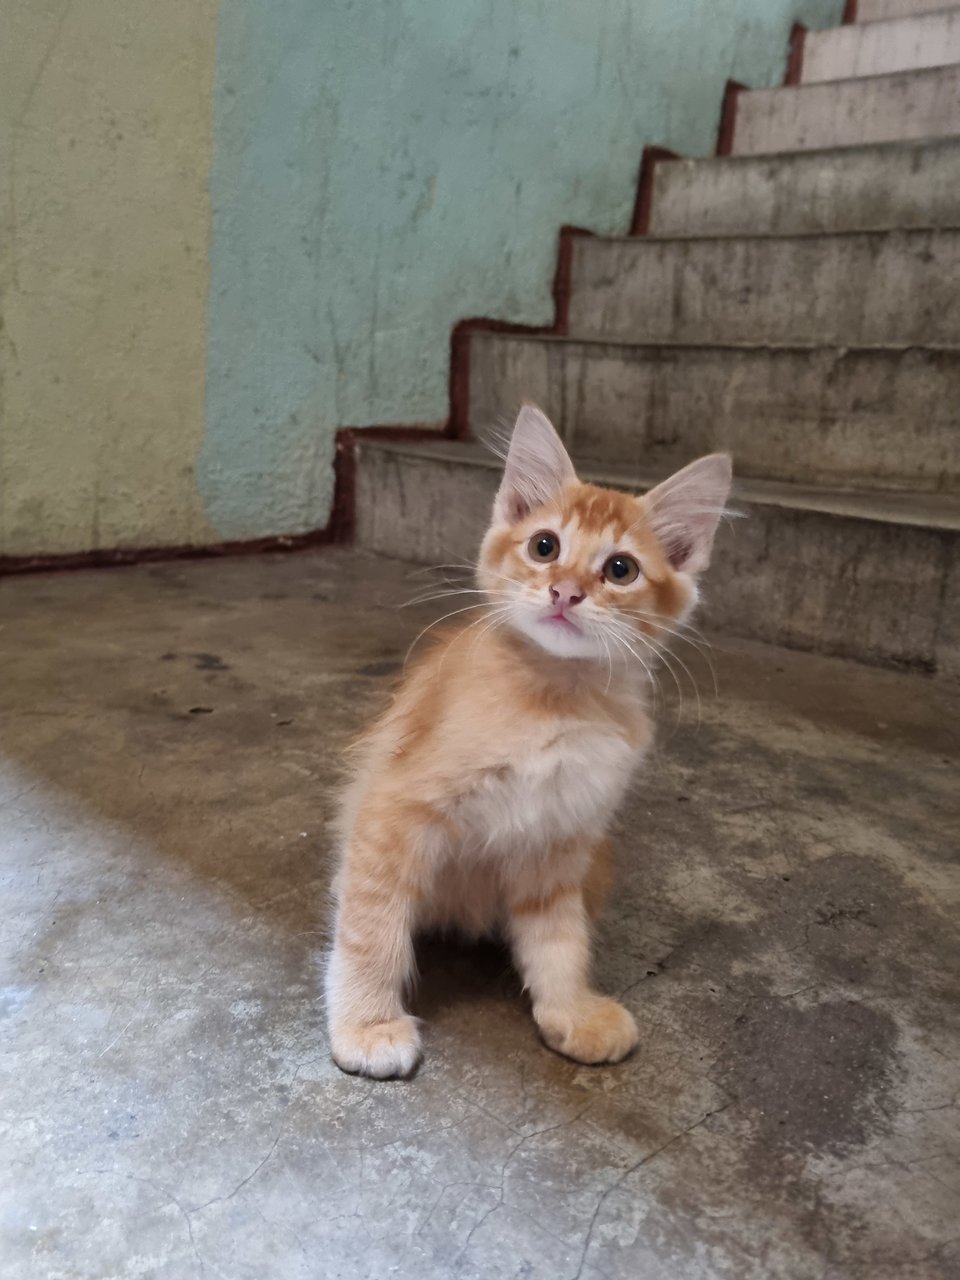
537, 467
685, 510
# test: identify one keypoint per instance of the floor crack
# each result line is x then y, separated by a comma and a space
639, 1164
240, 1185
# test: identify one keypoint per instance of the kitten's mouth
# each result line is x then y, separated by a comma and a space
560, 619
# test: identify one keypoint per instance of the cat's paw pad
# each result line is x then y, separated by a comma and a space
381, 1050
595, 1031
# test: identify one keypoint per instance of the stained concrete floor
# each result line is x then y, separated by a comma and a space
786, 935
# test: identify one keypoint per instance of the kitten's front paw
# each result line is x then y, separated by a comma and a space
593, 1031
382, 1050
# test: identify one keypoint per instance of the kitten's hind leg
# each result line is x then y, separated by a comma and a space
371, 1033
551, 944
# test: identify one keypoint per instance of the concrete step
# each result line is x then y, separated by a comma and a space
856, 289
871, 577
901, 184
849, 113
876, 48
880, 10
864, 418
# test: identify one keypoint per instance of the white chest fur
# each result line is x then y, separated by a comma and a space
564, 784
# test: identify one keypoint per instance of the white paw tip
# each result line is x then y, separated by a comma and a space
383, 1051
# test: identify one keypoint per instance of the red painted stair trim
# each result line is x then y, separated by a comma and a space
798, 36
643, 204
728, 117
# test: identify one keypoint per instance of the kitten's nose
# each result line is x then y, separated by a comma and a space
566, 594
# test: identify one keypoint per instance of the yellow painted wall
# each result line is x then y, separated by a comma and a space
105, 136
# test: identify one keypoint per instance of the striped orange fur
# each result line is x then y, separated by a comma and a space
482, 795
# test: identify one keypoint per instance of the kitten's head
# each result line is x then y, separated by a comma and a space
586, 572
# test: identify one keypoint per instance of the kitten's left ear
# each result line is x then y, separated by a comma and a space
536, 469
685, 510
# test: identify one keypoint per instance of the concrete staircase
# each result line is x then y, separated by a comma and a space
797, 302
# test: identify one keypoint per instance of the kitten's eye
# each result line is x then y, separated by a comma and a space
544, 546
621, 570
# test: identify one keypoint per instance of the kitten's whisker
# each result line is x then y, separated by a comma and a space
473, 570
635, 636
494, 618
666, 655
441, 595
689, 674
461, 570
662, 624
679, 632
699, 647
481, 604
463, 563
497, 617
606, 650
496, 611
624, 643
663, 656
651, 676
505, 576
695, 631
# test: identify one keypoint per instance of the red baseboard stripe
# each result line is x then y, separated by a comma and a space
643, 204
798, 34
120, 557
339, 529
458, 424
344, 508
728, 117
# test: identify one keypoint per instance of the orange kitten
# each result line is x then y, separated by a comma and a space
482, 795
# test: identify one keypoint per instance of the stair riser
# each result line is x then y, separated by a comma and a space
881, 10
862, 419
930, 40
856, 589
918, 104
858, 290
878, 593
913, 186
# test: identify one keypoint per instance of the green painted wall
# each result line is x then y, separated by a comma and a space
384, 169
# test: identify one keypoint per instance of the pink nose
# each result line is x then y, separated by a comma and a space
566, 594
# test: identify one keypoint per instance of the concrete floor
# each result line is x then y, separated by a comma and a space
786, 935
